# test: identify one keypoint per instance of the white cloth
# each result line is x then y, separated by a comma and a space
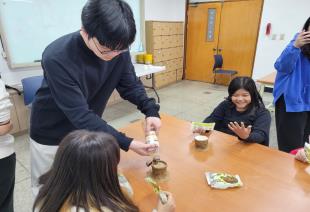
41, 157
6, 141
6, 145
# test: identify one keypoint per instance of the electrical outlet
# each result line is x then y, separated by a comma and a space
274, 37
282, 36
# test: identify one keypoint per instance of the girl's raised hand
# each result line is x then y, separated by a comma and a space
302, 39
240, 130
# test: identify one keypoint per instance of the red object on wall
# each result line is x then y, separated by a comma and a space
268, 29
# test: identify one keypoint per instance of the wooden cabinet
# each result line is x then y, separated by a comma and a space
14, 119
20, 114
165, 41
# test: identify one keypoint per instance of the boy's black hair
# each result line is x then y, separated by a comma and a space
111, 22
247, 84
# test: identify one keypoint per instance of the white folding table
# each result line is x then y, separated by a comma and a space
149, 71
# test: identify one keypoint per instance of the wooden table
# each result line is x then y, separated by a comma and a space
273, 180
267, 81
149, 71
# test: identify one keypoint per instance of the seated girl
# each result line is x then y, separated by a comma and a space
84, 177
243, 113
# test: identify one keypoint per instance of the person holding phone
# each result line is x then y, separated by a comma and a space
292, 92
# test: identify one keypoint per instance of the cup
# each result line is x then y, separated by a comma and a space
148, 59
140, 58
201, 141
159, 168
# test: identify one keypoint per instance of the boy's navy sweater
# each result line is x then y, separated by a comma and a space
75, 90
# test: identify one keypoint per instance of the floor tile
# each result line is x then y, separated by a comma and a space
22, 150
21, 173
22, 196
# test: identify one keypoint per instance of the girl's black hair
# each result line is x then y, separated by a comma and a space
307, 24
84, 174
305, 49
247, 84
111, 22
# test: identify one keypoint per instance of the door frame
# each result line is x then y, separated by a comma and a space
223, 1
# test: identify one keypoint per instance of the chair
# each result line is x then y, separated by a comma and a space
217, 68
30, 87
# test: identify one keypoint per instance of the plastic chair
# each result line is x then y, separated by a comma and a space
30, 88
217, 68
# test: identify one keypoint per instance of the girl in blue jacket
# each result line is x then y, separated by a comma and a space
292, 92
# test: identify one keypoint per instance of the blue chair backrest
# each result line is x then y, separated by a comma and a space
218, 61
30, 88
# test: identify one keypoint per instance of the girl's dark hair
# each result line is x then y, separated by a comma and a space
305, 49
111, 22
247, 84
84, 174
307, 24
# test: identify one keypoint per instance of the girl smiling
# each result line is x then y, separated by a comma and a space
243, 113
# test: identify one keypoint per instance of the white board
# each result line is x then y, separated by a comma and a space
28, 26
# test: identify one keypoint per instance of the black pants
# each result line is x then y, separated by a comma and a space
7, 181
293, 128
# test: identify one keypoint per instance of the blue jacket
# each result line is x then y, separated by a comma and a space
293, 79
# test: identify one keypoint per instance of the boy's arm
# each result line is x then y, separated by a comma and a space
5, 127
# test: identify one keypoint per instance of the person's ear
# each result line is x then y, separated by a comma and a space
84, 33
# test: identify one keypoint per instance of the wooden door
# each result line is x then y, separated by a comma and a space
236, 25
238, 36
199, 52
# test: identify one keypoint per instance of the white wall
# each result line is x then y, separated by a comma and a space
161, 10
165, 10
286, 17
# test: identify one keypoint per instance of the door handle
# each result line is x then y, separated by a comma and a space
220, 49
214, 49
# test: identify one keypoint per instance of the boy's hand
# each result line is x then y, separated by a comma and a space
143, 148
152, 123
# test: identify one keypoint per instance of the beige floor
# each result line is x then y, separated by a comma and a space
187, 100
